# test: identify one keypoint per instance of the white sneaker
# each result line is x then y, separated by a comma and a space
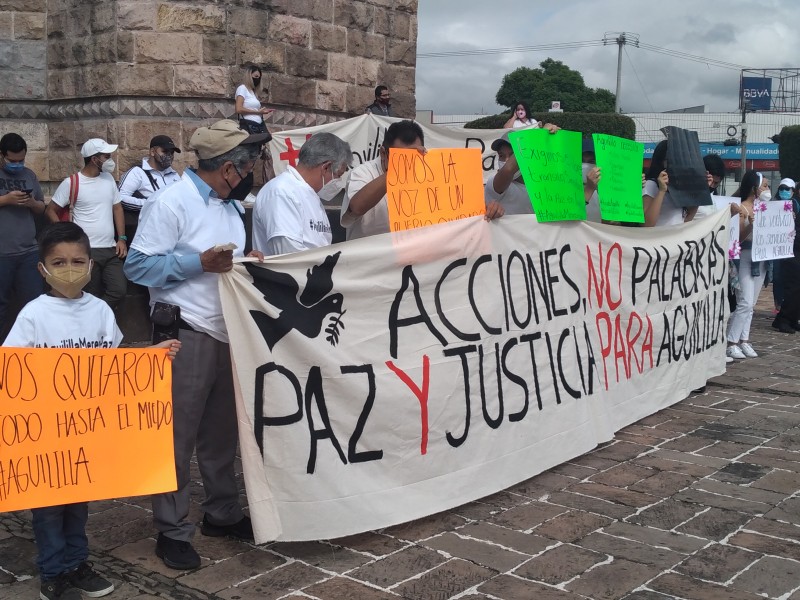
728, 359
734, 352
747, 350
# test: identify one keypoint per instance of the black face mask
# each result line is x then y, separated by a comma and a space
242, 189
256, 81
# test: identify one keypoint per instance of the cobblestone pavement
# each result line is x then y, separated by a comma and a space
698, 501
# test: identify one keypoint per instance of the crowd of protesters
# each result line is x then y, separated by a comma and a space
190, 227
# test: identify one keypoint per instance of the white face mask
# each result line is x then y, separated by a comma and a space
329, 190
586, 168
108, 166
500, 164
765, 196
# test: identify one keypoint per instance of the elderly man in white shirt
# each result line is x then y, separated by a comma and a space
288, 215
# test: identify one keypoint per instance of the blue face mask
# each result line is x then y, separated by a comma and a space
785, 194
14, 167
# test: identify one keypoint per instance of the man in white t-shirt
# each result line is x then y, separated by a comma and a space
365, 210
288, 215
98, 211
188, 234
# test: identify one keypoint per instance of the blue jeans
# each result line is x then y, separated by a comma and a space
20, 277
60, 533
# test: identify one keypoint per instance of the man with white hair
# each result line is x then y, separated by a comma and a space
288, 215
189, 233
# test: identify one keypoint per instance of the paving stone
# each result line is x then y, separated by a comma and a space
594, 505
559, 564
725, 502
425, 528
275, 584
371, 542
631, 550
477, 511
542, 484
527, 543
663, 484
686, 457
622, 475
728, 450
613, 494
339, 588
686, 443
19, 556
663, 464
771, 576
621, 451
646, 595
786, 531
528, 516
741, 472
738, 491
714, 524
509, 587
324, 556
667, 514
682, 586
398, 567
655, 537
786, 482
787, 511
717, 563
574, 471
232, 571
766, 545
479, 552
613, 580
445, 581
572, 525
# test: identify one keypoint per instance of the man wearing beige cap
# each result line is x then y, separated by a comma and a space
94, 202
187, 235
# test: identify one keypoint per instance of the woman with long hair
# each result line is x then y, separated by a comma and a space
753, 190
659, 208
248, 106
521, 118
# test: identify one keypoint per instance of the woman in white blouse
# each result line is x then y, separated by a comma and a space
248, 106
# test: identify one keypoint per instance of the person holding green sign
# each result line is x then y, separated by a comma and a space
506, 185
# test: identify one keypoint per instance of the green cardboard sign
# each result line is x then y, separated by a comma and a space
550, 164
620, 186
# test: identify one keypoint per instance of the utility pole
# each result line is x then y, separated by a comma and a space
743, 168
620, 40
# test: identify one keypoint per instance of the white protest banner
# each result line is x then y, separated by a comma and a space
392, 377
724, 203
365, 134
773, 230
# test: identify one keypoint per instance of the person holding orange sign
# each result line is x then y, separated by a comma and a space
67, 317
365, 209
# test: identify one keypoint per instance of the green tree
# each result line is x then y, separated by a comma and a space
553, 80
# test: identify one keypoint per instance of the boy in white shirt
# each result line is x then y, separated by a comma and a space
66, 317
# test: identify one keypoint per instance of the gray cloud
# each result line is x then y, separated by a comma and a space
754, 34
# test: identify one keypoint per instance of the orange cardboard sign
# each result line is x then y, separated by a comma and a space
442, 185
79, 425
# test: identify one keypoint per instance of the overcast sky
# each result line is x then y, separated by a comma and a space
752, 33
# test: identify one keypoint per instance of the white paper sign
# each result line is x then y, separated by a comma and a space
773, 230
723, 203
392, 377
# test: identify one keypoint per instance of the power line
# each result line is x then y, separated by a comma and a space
644, 91
711, 62
512, 50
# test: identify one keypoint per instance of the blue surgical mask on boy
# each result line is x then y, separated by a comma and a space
14, 168
785, 194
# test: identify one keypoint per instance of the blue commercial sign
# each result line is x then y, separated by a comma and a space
757, 91
754, 151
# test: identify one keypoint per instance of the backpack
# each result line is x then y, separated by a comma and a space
65, 212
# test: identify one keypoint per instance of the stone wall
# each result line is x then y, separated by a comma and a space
125, 70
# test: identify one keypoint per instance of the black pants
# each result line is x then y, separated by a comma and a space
790, 275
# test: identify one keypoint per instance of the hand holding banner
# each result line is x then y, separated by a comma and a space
620, 187
438, 186
80, 425
551, 167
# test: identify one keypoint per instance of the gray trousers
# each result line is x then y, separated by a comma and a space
205, 419
108, 281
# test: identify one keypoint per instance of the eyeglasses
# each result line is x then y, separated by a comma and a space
239, 173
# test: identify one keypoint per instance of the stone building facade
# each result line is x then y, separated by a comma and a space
125, 70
